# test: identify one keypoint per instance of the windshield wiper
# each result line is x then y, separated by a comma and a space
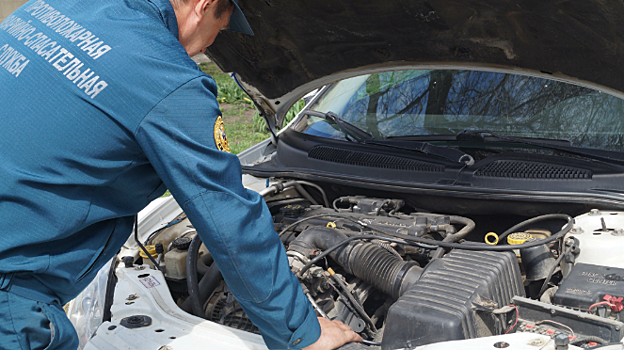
363, 137
426, 148
482, 136
353, 131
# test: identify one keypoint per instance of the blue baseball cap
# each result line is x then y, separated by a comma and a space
238, 22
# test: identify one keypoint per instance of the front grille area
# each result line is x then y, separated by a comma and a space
344, 156
531, 170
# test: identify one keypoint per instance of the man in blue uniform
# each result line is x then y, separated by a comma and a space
101, 109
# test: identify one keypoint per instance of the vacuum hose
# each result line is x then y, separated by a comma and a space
469, 225
367, 261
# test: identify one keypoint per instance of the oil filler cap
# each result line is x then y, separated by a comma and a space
292, 211
151, 249
518, 238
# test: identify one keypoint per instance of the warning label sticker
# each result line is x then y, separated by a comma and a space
149, 281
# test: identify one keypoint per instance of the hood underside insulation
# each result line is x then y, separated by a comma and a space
297, 42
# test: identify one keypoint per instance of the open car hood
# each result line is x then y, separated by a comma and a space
300, 45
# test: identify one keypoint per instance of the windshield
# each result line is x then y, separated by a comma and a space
445, 102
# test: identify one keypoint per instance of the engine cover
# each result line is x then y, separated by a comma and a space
452, 299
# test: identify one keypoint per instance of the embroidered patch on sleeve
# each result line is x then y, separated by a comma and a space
219, 136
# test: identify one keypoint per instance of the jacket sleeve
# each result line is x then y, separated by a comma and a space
234, 223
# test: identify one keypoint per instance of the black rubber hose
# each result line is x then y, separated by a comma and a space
550, 274
191, 276
209, 283
203, 263
469, 225
320, 238
206, 287
416, 241
607, 346
367, 261
588, 338
403, 239
564, 251
496, 248
528, 222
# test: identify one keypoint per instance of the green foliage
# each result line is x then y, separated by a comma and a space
294, 110
259, 124
242, 134
228, 90
242, 130
230, 93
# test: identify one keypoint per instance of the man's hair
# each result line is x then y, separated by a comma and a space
222, 6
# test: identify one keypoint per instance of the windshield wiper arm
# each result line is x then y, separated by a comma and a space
362, 136
356, 133
426, 148
480, 135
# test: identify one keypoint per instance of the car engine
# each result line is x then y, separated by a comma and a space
403, 277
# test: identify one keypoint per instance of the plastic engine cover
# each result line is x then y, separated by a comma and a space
588, 284
451, 299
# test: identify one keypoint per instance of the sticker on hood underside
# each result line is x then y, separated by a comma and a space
149, 281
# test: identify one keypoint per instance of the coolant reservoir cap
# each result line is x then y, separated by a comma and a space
181, 243
518, 238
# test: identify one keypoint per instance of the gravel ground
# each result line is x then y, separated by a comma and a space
200, 58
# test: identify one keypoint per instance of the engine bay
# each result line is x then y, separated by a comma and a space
403, 276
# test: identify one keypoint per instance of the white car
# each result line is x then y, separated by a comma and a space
455, 181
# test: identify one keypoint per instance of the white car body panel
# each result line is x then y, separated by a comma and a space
171, 327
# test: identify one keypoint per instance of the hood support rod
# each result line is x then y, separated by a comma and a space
270, 123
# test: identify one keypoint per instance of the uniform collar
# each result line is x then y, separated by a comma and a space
167, 14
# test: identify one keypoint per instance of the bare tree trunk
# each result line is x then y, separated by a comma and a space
440, 84
373, 90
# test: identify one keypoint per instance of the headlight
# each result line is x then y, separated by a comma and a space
86, 310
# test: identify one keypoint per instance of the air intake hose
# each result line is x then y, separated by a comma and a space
367, 261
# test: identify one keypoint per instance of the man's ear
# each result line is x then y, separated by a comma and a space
202, 7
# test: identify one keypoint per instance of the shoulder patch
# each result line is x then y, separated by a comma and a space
219, 136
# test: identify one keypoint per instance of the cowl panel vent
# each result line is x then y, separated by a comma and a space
344, 156
531, 170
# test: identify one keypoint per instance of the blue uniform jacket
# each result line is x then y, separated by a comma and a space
101, 110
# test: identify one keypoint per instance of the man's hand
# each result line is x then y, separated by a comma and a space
334, 334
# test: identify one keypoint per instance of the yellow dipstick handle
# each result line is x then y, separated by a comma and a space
490, 235
331, 224
331, 272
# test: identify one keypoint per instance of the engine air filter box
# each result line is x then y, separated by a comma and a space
453, 298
